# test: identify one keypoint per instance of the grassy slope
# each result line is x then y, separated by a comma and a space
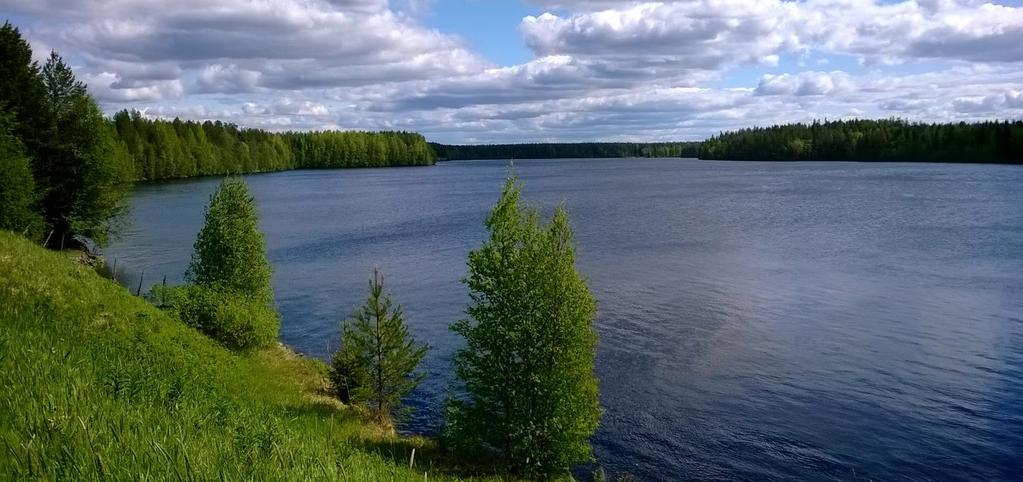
97, 383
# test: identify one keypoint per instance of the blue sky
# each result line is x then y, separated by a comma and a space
489, 27
478, 71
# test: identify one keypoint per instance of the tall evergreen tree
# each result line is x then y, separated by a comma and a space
378, 357
17, 188
530, 345
82, 170
22, 89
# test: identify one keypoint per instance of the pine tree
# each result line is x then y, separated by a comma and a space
530, 345
378, 357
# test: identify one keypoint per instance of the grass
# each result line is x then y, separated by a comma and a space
98, 384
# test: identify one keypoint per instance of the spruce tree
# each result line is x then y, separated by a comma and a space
82, 171
21, 93
17, 188
527, 366
378, 357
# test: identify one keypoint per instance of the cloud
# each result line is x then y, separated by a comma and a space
713, 33
242, 45
601, 69
702, 35
804, 83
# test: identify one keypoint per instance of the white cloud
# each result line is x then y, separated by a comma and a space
712, 33
612, 70
804, 83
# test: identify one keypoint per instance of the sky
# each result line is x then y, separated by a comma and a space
485, 71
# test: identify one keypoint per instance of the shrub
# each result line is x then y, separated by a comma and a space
235, 321
230, 297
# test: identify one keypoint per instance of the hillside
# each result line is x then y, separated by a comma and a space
97, 383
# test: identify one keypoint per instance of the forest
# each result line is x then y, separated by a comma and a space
872, 140
582, 150
66, 169
164, 149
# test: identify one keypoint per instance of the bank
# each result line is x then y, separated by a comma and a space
98, 383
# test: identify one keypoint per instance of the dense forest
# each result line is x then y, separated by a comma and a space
872, 140
62, 169
566, 150
162, 149
66, 169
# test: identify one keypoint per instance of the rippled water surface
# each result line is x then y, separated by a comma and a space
757, 321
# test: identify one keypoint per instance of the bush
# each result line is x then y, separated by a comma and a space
344, 375
235, 321
229, 297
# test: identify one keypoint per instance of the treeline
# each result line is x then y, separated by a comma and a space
66, 170
164, 149
580, 150
872, 140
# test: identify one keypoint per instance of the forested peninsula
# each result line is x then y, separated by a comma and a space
165, 149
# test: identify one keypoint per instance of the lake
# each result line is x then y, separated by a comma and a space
756, 320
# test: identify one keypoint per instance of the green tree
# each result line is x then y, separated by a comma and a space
82, 171
378, 357
21, 93
230, 252
530, 345
232, 298
17, 188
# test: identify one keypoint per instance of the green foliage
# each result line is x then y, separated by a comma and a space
17, 187
530, 345
378, 356
230, 253
872, 140
579, 150
22, 91
98, 384
237, 322
79, 170
161, 149
232, 299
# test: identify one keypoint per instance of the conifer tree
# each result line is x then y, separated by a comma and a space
22, 89
81, 170
17, 188
527, 366
378, 357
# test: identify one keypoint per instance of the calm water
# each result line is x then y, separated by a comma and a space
757, 321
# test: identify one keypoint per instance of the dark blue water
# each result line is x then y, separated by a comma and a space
757, 321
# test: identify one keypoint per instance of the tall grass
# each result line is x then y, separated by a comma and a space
96, 383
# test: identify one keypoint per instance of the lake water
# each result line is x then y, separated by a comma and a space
757, 320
